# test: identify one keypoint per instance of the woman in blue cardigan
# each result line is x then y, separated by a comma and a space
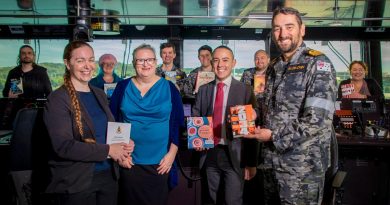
153, 107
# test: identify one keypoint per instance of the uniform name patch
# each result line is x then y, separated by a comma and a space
323, 66
297, 68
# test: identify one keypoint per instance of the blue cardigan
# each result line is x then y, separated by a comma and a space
175, 123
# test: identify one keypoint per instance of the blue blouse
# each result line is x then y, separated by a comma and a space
176, 118
149, 118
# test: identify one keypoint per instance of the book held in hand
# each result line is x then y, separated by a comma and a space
203, 77
118, 132
171, 76
258, 83
241, 120
347, 89
200, 132
16, 86
109, 89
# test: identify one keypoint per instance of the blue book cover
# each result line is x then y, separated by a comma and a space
200, 132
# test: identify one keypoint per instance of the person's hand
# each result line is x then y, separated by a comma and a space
129, 147
250, 172
12, 95
118, 152
200, 149
261, 134
127, 163
254, 115
166, 162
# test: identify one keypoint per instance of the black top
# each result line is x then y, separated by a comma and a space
36, 83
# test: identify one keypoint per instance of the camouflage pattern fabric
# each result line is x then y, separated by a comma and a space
299, 107
247, 76
182, 75
188, 84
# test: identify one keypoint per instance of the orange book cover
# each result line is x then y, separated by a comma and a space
258, 83
241, 120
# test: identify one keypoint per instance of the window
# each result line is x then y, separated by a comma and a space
340, 53
123, 51
385, 50
47, 55
243, 50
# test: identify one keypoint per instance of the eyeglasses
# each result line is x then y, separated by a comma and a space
149, 61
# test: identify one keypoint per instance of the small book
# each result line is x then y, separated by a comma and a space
118, 132
203, 77
347, 89
187, 110
109, 89
258, 83
241, 120
200, 132
171, 76
16, 86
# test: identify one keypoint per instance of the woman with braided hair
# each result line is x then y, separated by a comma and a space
83, 168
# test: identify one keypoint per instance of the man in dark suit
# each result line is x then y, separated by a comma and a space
232, 159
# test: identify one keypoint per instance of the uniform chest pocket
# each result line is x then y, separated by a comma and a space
295, 81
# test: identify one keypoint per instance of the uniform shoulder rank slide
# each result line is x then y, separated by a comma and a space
314, 52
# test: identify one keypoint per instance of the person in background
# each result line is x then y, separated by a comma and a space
32, 78
261, 59
364, 88
107, 64
168, 55
83, 167
204, 56
232, 159
153, 107
300, 96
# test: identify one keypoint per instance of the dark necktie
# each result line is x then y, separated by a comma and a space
217, 114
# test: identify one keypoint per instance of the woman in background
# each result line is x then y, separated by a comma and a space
363, 88
153, 107
107, 75
76, 117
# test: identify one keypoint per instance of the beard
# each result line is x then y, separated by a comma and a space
288, 48
26, 60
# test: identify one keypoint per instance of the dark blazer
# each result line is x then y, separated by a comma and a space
243, 152
72, 163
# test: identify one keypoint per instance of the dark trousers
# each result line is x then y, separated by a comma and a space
219, 170
103, 191
142, 185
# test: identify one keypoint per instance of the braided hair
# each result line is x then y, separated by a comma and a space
75, 103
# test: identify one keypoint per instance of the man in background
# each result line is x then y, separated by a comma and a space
27, 80
204, 56
261, 60
168, 55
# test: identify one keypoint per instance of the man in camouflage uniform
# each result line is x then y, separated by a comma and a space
299, 100
204, 56
261, 59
